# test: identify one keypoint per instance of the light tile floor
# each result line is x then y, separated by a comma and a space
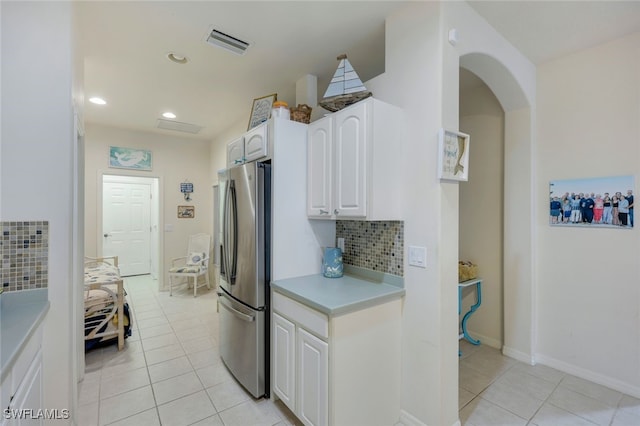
496, 390
170, 372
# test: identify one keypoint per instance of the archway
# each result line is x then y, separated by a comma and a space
519, 239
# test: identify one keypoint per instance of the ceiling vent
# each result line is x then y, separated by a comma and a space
225, 41
178, 126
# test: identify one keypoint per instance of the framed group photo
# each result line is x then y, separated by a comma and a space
600, 202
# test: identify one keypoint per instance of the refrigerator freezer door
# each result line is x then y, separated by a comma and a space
242, 343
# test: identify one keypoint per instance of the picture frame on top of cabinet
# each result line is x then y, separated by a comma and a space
453, 155
261, 110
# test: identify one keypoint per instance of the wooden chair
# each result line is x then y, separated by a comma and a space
194, 264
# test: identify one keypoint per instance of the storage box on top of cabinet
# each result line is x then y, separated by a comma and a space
354, 163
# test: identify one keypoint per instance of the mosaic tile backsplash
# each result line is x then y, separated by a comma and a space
25, 255
375, 245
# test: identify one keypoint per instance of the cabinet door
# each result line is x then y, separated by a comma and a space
319, 158
256, 143
235, 152
350, 161
29, 392
313, 379
284, 360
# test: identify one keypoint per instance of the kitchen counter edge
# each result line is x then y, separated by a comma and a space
21, 316
307, 290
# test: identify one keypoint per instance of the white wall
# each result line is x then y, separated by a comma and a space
588, 298
421, 76
37, 163
413, 81
481, 209
175, 160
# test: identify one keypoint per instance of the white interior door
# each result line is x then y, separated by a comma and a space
126, 226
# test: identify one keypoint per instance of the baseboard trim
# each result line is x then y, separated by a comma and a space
486, 340
407, 419
589, 375
518, 355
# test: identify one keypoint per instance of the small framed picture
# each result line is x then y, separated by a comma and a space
453, 155
186, 212
261, 110
130, 158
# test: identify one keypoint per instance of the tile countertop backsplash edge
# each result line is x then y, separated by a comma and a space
375, 276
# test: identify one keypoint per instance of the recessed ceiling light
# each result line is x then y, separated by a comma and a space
169, 115
178, 59
97, 101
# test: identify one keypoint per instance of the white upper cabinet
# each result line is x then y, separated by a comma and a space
253, 145
235, 152
354, 167
319, 161
350, 159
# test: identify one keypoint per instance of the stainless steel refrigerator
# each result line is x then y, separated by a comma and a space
243, 295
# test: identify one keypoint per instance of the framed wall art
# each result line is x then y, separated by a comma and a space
261, 110
186, 212
453, 155
599, 202
130, 158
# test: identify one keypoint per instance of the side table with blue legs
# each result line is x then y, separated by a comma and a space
477, 282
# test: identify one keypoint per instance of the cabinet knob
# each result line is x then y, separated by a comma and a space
336, 211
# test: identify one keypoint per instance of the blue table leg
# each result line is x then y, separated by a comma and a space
471, 311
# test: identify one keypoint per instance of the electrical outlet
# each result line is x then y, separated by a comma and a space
418, 256
341, 244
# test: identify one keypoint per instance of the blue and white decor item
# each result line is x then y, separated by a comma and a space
332, 266
129, 158
345, 88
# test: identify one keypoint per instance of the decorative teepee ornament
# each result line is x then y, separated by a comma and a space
345, 87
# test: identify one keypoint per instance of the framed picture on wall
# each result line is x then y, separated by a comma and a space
598, 202
186, 212
129, 158
453, 155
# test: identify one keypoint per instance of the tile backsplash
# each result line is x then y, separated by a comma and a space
376, 245
25, 255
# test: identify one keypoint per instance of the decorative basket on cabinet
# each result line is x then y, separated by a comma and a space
301, 113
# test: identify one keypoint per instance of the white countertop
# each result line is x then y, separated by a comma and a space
357, 289
21, 312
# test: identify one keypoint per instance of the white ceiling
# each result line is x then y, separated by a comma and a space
125, 46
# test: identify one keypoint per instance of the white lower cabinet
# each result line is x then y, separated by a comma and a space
337, 370
300, 371
22, 386
313, 378
283, 349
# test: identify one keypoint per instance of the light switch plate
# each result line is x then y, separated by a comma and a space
418, 256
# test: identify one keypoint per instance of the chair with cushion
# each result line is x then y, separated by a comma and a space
193, 265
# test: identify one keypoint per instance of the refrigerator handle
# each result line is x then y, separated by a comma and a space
225, 234
234, 259
235, 312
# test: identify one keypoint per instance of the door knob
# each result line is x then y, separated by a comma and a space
106, 235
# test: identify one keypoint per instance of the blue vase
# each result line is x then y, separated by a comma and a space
332, 263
